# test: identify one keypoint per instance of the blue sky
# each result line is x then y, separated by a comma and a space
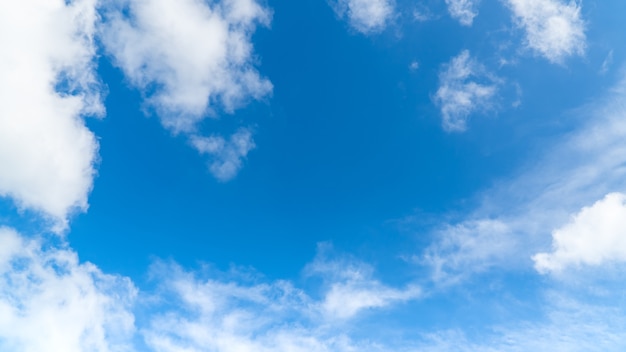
315, 175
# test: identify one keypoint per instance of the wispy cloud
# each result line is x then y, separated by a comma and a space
546, 198
49, 300
228, 155
463, 10
365, 16
48, 85
465, 87
554, 28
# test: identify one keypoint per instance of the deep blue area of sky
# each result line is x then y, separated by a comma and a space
349, 142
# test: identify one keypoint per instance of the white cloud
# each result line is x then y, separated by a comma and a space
228, 155
365, 16
463, 10
48, 84
351, 288
596, 235
575, 170
51, 302
554, 28
464, 88
191, 59
232, 315
569, 325
478, 245
188, 57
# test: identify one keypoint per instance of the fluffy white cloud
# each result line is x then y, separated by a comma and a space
463, 10
189, 57
47, 68
365, 16
554, 28
49, 301
464, 87
228, 155
596, 235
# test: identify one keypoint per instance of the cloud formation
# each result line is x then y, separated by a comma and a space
464, 88
594, 236
365, 16
191, 60
234, 315
554, 28
228, 155
576, 170
463, 10
188, 57
48, 85
51, 302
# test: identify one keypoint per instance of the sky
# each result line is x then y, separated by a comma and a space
313, 175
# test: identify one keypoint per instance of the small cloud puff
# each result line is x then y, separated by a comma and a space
463, 10
365, 16
228, 155
554, 29
464, 87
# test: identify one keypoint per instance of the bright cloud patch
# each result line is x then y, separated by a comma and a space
553, 28
228, 155
366, 16
51, 302
596, 235
190, 59
463, 10
187, 56
232, 315
464, 88
48, 84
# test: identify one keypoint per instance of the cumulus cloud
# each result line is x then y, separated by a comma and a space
464, 88
48, 85
463, 10
192, 60
554, 28
228, 155
188, 57
596, 235
49, 301
365, 16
